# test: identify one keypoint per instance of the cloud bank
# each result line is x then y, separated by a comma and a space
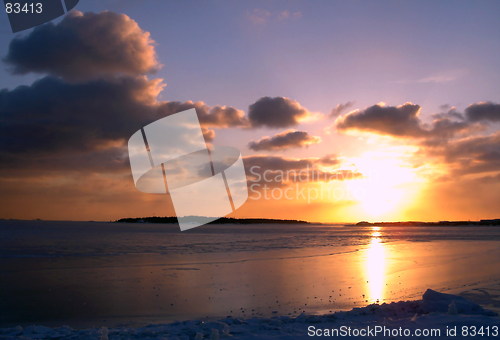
401, 121
459, 141
95, 96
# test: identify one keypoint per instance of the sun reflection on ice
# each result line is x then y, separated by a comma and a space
375, 267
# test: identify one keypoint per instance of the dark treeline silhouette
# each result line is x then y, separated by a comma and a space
223, 220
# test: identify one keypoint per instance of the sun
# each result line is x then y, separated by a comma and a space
387, 186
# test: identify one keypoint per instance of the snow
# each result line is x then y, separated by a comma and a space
435, 310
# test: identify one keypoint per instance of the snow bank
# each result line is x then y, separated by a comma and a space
436, 310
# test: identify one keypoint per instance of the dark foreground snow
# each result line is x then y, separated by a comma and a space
437, 315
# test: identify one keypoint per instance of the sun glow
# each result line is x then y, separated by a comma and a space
388, 184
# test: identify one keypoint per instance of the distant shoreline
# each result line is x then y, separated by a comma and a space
222, 220
229, 220
492, 222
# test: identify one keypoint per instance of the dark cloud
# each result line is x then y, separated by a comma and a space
277, 112
445, 129
55, 119
216, 116
472, 155
52, 116
390, 120
403, 121
484, 111
85, 46
340, 108
449, 112
284, 140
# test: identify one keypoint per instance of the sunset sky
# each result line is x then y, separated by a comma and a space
391, 109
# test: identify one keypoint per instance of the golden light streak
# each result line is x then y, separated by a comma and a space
375, 267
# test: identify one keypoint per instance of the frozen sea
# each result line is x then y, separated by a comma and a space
94, 274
